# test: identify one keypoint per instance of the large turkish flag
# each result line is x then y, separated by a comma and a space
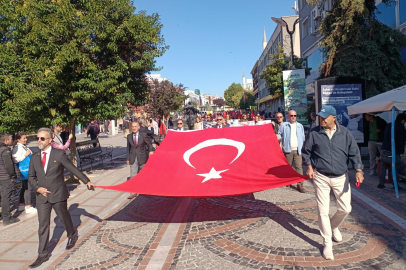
214, 162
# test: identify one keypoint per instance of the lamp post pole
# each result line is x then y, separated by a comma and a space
282, 23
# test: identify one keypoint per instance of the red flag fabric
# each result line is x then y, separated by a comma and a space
214, 162
162, 128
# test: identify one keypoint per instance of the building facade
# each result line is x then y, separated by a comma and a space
280, 37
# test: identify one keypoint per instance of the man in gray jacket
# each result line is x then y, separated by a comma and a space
328, 151
7, 176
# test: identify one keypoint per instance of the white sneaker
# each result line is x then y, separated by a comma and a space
328, 252
337, 235
31, 210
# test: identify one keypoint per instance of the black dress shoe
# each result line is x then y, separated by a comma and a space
39, 261
72, 241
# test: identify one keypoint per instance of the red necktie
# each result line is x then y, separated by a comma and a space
135, 139
44, 159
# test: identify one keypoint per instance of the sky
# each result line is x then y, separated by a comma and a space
213, 41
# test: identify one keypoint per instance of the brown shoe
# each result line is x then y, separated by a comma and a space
301, 189
132, 196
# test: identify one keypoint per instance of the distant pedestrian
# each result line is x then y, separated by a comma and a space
7, 177
106, 126
328, 150
57, 128
292, 136
93, 132
180, 126
170, 123
376, 132
126, 125
65, 134
21, 157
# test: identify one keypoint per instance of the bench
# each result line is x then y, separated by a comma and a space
91, 151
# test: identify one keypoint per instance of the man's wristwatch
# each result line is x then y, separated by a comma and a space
360, 172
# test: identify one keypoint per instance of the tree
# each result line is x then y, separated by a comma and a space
68, 61
229, 94
356, 44
219, 102
164, 98
273, 73
249, 100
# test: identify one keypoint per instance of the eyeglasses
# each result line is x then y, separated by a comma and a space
219, 119
180, 124
41, 138
292, 115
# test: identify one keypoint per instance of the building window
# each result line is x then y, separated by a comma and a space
305, 28
315, 60
387, 14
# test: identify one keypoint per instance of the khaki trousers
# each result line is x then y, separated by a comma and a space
342, 191
295, 157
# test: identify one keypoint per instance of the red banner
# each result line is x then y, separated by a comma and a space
214, 162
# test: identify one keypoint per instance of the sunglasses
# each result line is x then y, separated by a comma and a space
219, 119
292, 115
180, 123
279, 117
41, 138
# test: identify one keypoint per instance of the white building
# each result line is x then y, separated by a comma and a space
280, 37
247, 84
192, 97
156, 77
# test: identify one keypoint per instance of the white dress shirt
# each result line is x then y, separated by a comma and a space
48, 151
135, 136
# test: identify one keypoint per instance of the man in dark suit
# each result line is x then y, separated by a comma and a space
180, 125
143, 128
138, 146
47, 178
220, 123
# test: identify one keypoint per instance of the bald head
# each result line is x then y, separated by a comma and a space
292, 116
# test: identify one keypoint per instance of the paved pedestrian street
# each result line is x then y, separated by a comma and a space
273, 229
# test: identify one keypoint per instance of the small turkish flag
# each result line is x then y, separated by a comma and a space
214, 162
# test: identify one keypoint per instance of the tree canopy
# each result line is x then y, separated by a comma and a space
165, 98
230, 95
219, 102
356, 44
62, 61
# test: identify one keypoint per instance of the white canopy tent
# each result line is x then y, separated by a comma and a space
391, 100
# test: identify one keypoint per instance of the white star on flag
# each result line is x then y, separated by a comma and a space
213, 174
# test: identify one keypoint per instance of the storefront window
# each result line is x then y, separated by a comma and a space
387, 14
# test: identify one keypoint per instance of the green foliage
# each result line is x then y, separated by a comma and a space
219, 102
356, 44
273, 72
165, 98
62, 61
249, 100
229, 94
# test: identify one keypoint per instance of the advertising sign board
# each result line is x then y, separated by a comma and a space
294, 88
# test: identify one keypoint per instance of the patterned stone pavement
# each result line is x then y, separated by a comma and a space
273, 229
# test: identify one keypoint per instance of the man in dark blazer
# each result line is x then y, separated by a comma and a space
46, 176
180, 125
138, 146
143, 128
220, 123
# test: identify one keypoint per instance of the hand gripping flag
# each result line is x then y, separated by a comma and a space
214, 162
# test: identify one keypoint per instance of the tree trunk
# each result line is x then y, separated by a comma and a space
73, 156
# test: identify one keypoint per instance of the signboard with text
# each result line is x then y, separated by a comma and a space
294, 88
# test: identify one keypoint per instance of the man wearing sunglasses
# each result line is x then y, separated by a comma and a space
180, 126
220, 123
46, 176
292, 135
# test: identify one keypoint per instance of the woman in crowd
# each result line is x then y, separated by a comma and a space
20, 153
228, 120
61, 147
170, 123
244, 118
199, 124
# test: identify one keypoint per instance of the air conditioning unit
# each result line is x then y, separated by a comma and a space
316, 13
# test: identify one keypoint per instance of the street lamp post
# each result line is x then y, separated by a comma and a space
282, 23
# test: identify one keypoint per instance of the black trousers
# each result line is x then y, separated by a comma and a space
6, 187
25, 193
44, 219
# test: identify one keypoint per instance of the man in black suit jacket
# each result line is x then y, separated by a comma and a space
46, 176
143, 128
220, 123
180, 125
138, 146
